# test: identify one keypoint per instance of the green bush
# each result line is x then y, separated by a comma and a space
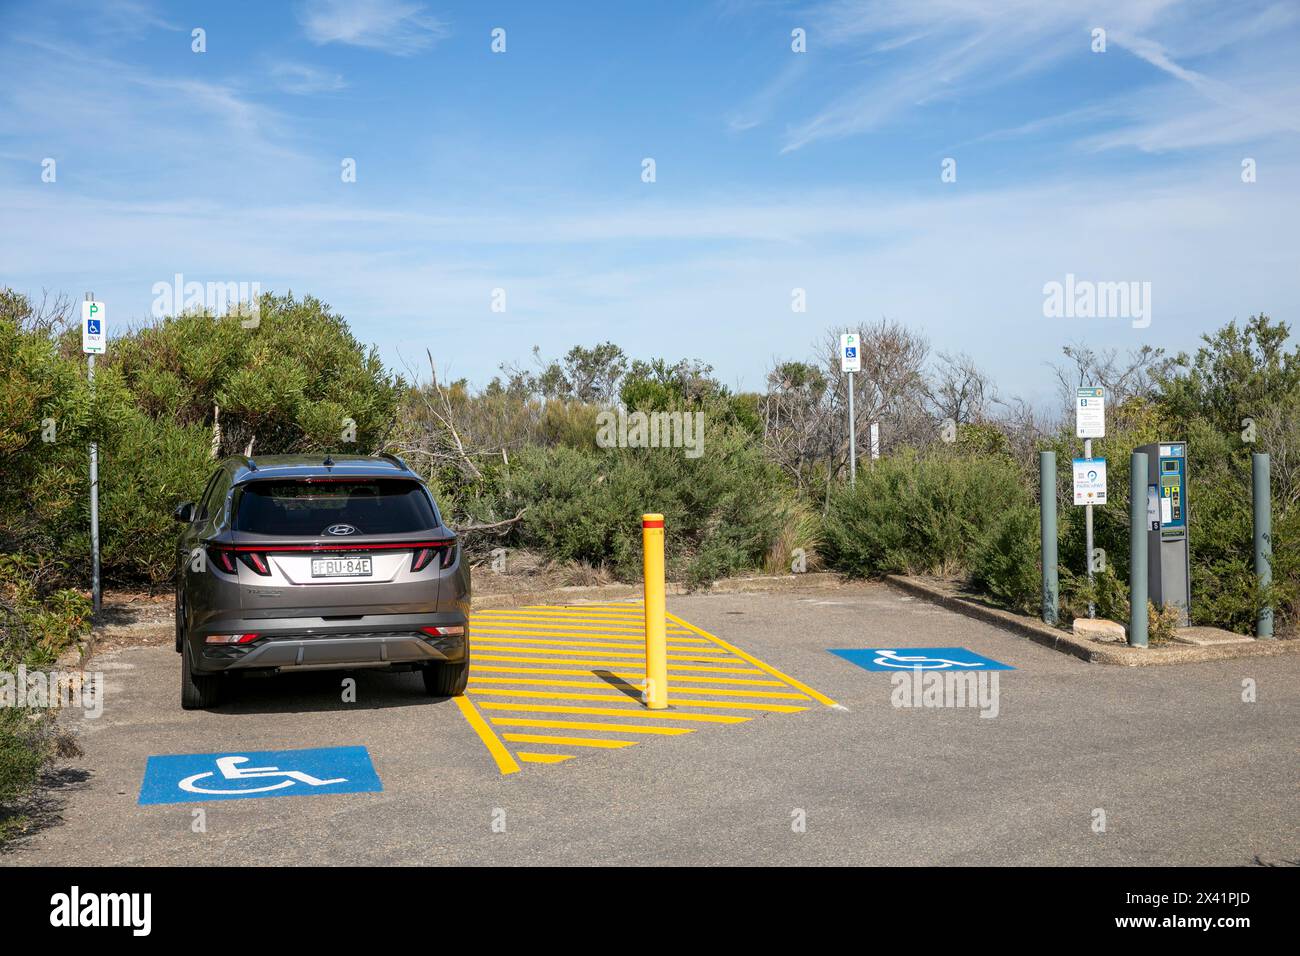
723, 510
24, 749
298, 381
37, 623
920, 514
1107, 592
1006, 564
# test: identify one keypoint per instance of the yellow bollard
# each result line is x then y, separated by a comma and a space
654, 693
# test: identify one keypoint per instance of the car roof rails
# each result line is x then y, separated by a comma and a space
248, 461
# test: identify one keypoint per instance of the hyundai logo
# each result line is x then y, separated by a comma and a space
340, 529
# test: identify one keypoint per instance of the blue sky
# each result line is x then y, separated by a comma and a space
775, 170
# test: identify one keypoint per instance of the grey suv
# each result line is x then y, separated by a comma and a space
295, 562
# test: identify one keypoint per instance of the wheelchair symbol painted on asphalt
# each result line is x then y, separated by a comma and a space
194, 777
230, 769
920, 658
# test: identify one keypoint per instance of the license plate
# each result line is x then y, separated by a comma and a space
340, 567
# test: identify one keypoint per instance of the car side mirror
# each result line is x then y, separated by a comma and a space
184, 511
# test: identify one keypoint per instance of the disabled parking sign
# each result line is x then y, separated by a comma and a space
923, 658
242, 775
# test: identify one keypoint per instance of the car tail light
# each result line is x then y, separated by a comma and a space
256, 562
448, 630
446, 555
230, 638
223, 559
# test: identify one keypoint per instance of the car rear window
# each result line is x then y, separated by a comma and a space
371, 506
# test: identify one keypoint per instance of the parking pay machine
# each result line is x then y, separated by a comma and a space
1168, 569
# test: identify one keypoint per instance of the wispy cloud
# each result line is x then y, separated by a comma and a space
126, 18
304, 80
393, 26
911, 53
98, 111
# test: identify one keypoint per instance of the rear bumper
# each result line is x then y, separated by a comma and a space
307, 643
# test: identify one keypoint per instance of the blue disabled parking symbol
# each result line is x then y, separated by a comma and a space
242, 775
925, 658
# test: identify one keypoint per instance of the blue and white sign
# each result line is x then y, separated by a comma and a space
850, 356
93, 333
924, 658
1090, 481
189, 778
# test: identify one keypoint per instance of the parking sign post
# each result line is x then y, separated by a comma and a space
654, 694
850, 362
93, 336
1089, 423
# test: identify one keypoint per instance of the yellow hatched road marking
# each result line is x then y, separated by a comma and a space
586, 725
596, 682
627, 698
708, 655
576, 623
505, 762
595, 630
736, 704
611, 664
560, 620
568, 741
625, 675
542, 758
552, 694
597, 613
613, 712
601, 648
545, 642
797, 685
692, 679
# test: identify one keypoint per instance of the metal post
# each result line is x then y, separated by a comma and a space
97, 599
654, 694
1262, 496
1047, 529
1137, 549
1087, 523
853, 437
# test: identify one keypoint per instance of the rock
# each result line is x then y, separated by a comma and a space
1099, 629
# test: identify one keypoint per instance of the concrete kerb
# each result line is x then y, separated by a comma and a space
1086, 650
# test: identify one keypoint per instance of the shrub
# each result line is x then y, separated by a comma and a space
723, 511
920, 514
36, 624
1107, 592
1006, 562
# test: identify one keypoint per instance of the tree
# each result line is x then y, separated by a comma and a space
584, 374
1236, 375
891, 388
960, 390
1137, 376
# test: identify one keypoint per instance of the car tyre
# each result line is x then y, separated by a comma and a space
180, 620
447, 680
198, 691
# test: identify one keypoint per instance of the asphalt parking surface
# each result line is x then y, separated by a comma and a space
1183, 770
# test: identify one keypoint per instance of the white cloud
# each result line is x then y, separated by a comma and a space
95, 111
710, 279
915, 52
304, 80
393, 26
